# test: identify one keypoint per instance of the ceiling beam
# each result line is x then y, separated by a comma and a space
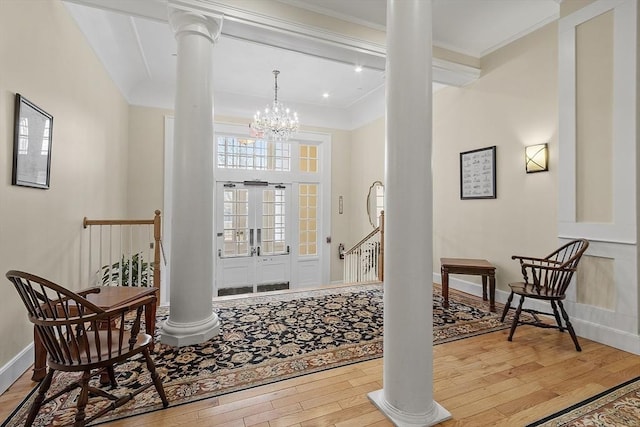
285, 32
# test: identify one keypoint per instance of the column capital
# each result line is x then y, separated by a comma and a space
183, 18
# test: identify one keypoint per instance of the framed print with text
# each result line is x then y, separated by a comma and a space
478, 174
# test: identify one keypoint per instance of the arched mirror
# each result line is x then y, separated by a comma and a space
375, 203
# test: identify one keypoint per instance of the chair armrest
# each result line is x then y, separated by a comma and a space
130, 306
115, 313
533, 259
93, 290
548, 267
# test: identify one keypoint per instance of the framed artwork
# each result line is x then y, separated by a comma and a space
478, 174
31, 145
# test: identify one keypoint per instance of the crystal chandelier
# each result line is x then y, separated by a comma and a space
276, 122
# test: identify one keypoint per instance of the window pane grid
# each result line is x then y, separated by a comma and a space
307, 215
308, 158
253, 154
379, 203
236, 214
273, 222
23, 136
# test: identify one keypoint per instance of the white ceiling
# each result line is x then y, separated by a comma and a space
139, 55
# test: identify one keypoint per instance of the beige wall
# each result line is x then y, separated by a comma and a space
45, 58
594, 120
145, 188
367, 166
513, 104
567, 7
146, 151
340, 186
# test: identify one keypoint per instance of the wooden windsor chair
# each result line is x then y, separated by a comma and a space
82, 337
546, 279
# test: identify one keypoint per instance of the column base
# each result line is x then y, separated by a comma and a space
402, 419
183, 334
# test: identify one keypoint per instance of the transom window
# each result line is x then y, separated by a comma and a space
253, 154
308, 158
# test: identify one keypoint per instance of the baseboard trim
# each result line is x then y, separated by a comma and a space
17, 366
605, 335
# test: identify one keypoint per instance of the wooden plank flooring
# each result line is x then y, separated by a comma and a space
484, 380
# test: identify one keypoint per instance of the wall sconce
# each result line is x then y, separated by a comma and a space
536, 158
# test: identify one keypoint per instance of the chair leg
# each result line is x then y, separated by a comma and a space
112, 377
557, 314
37, 403
565, 316
83, 399
507, 307
516, 318
157, 381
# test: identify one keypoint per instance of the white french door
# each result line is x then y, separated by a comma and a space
253, 236
306, 174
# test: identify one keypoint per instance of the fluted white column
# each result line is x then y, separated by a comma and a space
191, 319
407, 396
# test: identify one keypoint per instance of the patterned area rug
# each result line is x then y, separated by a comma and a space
618, 406
268, 338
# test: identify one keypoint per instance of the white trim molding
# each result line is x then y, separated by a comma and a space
15, 367
616, 240
623, 227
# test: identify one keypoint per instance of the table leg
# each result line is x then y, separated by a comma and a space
445, 286
40, 362
150, 321
484, 287
492, 292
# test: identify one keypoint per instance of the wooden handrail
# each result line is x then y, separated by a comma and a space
367, 237
87, 222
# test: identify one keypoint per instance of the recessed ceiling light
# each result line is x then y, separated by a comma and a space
358, 69
325, 95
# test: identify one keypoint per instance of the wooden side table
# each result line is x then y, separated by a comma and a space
474, 267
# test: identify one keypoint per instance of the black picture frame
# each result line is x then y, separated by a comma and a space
32, 139
478, 174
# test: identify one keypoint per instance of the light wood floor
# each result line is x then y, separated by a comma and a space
484, 380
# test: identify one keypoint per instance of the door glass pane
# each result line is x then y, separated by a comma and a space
273, 221
236, 231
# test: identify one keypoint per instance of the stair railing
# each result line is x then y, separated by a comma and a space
364, 262
122, 252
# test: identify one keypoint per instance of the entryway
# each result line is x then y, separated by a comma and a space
253, 236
